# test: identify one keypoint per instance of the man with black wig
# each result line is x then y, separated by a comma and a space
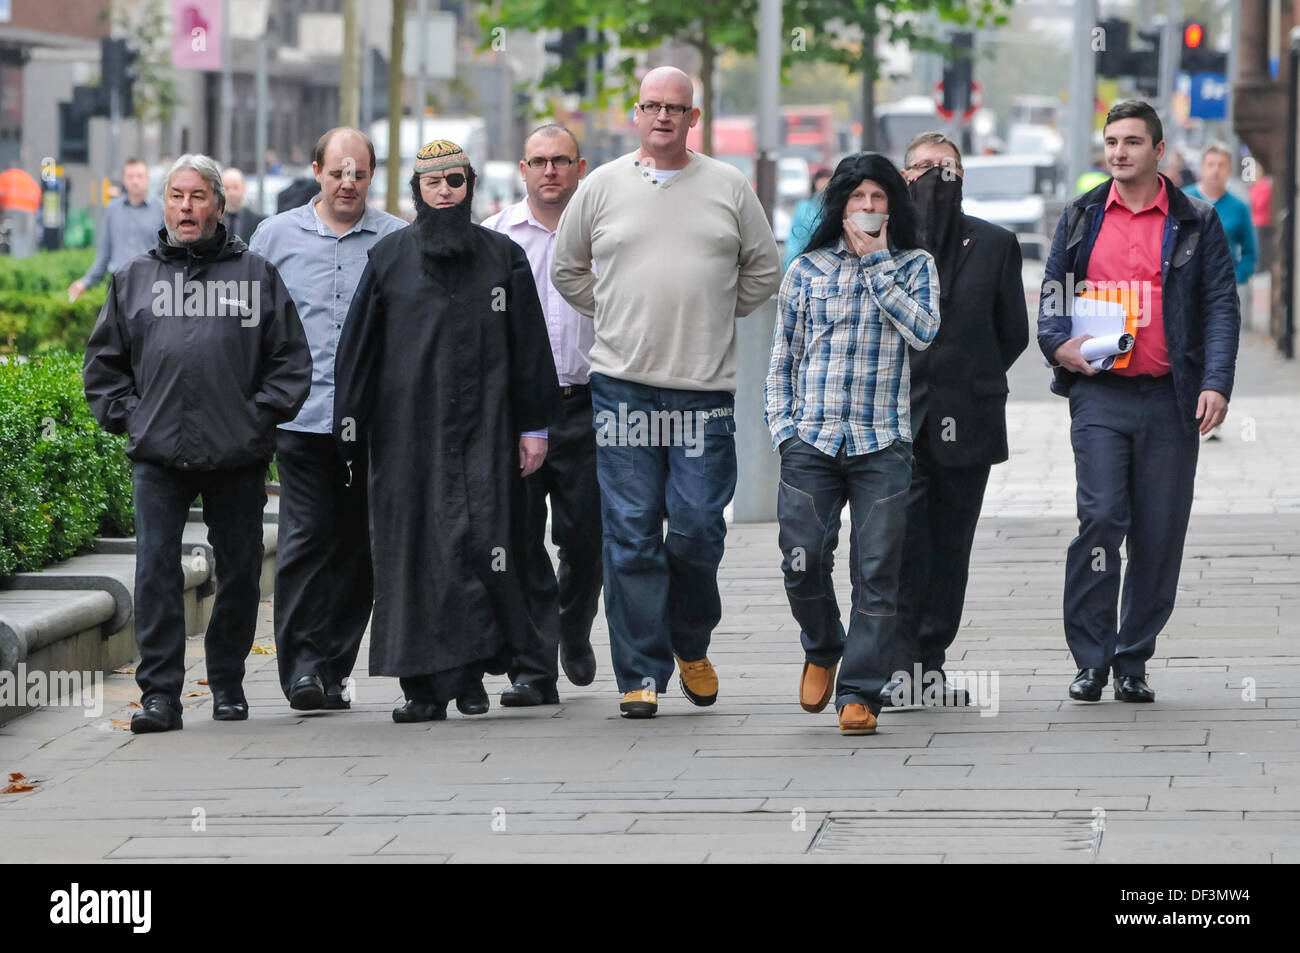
446, 379
838, 409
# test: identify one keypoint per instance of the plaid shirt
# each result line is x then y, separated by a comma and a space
840, 370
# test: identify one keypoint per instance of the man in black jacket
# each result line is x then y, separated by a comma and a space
959, 397
198, 354
1134, 428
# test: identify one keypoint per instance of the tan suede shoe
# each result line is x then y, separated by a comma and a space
816, 686
857, 719
699, 681
639, 704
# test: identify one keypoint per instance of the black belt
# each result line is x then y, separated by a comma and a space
575, 390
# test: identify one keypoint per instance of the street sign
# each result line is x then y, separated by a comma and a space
1209, 94
976, 101
440, 33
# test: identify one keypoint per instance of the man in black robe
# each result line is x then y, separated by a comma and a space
444, 376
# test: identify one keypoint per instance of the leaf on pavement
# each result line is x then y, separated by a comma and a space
125, 670
194, 694
17, 788
119, 724
203, 681
15, 776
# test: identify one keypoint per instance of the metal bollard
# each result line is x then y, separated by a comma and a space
758, 468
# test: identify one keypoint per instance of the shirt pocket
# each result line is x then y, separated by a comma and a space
829, 303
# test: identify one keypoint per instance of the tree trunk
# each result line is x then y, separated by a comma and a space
395, 106
868, 138
349, 85
708, 59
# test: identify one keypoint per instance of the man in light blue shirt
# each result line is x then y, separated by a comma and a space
323, 581
129, 228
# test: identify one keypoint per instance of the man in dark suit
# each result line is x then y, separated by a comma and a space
1134, 428
238, 220
959, 397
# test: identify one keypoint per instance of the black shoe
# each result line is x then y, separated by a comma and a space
334, 699
579, 663
473, 699
522, 695
1133, 688
414, 711
1087, 685
229, 705
307, 694
158, 714
887, 695
953, 697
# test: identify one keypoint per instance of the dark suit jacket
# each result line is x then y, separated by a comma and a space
959, 383
242, 223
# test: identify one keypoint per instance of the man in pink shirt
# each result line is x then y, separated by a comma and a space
563, 605
1134, 429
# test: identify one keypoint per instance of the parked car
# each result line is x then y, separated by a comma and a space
1024, 193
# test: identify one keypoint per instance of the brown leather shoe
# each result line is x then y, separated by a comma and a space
816, 686
857, 719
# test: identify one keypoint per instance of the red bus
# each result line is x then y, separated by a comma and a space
809, 133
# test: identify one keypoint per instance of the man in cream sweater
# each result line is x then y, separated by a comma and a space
681, 249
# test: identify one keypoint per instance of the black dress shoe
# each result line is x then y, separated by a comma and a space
307, 694
527, 696
334, 698
229, 705
414, 711
887, 694
579, 663
157, 714
1087, 685
953, 697
1133, 688
473, 699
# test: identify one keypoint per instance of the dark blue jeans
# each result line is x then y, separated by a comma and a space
232, 507
1135, 467
814, 488
661, 454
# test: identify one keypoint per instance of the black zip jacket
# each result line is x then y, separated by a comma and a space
198, 354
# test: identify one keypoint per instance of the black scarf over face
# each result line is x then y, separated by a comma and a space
445, 233
938, 206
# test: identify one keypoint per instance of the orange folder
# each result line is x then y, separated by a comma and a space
1127, 299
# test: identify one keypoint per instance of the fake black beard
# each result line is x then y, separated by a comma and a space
444, 232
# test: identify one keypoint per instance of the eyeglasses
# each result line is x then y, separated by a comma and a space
925, 165
537, 163
674, 109
454, 179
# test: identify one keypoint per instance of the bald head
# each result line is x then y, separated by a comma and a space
667, 81
233, 182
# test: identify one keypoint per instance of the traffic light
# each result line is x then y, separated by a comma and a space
572, 68
958, 74
117, 72
1113, 58
1144, 62
1197, 54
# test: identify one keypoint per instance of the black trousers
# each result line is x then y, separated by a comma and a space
233, 501
439, 688
943, 506
563, 603
324, 588
1136, 467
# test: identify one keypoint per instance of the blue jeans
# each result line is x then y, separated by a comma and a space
814, 488
661, 454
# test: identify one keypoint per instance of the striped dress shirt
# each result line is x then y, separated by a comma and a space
839, 373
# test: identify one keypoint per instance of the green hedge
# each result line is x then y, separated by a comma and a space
63, 480
35, 314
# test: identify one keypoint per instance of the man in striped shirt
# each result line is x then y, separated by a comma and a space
838, 407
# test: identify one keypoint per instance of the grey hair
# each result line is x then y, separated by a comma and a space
206, 167
930, 138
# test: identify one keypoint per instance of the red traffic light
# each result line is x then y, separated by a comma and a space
1192, 36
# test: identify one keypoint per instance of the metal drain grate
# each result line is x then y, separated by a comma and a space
1005, 834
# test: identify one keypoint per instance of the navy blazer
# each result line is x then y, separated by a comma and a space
1202, 314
